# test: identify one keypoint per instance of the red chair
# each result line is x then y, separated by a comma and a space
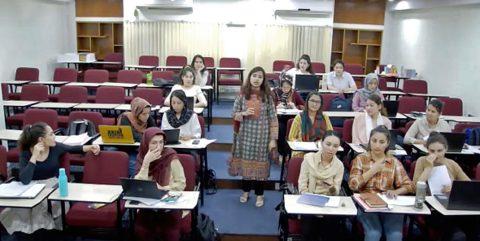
174, 60
415, 86
154, 96
188, 164
477, 172
289, 126
65, 74
347, 130
30, 93
452, 106
149, 60
50, 117
294, 224
4, 91
95, 117
461, 127
73, 94
167, 75
318, 67
106, 168
113, 68
230, 79
95, 76
110, 95
407, 126
3, 162
130, 76
354, 68
407, 104
209, 62
327, 100
26, 73
279, 65
412, 169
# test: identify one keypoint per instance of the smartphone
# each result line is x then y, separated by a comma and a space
196, 142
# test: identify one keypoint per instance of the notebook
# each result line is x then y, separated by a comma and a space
19, 190
116, 134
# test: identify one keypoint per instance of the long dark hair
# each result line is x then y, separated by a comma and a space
180, 94
30, 135
382, 130
184, 71
264, 88
203, 61
436, 137
309, 62
331, 133
376, 98
319, 112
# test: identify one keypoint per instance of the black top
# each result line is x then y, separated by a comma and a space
124, 121
46, 169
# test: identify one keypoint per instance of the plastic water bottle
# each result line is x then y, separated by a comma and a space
420, 194
149, 76
62, 182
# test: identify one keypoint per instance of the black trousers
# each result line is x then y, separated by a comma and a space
327, 228
449, 226
248, 185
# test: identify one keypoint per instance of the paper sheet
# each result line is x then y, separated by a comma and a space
399, 201
438, 178
77, 139
17, 189
303, 146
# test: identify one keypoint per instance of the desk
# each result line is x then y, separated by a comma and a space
466, 119
84, 84
127, 86
146, 67
198, 110
421, 148
288, 112
12, 84
359, 149
127, 107
96, 106
15, 106
396, 79
388, 93
219, 69
394, 209
353, 114
54, 105
293, 207
51, 84
165, 67
442, 210
26, 202
77, 63
325, 91
14, 135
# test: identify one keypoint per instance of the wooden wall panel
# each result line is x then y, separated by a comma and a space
99, 8
359, 11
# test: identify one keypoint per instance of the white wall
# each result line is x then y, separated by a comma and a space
442, 44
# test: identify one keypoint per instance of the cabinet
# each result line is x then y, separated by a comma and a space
100, 38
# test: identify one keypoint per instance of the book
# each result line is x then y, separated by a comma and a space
373, 200
19, 190
312, 199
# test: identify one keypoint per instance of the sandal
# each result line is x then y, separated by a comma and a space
260, 201
244, 197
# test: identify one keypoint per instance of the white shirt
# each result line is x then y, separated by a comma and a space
343, 82
293, 72
191, 128
195, 91
201, 79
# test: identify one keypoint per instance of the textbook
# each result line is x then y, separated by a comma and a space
18, 190
319, 200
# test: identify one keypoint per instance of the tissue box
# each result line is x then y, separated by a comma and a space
76, 57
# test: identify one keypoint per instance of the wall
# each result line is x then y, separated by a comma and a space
441, 43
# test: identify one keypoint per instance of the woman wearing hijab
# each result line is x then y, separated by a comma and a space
159, 164
180, 117
370, 86
138, 117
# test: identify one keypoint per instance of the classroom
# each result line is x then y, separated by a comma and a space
240, 120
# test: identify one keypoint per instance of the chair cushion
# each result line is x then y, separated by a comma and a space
109, 121
63, 121
294, 226
13, 155
16, 119
229, 82
80, 215
186, 224
91, 98
128, 99
14, 96
53, 97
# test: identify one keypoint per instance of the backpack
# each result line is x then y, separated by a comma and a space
472, 136
205, 230
339, 104
81, 126
210, 182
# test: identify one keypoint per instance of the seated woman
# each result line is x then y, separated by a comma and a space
437, 147
422, 127
340, 80
311, 124
180, 117
159, 164
377, 172
321, 173
370, 86
286, 97
365, 122
201, 72
187, 78
39, 161
138, 117
304, 66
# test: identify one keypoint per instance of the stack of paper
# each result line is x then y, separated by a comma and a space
76, 140
438, 179
399, 201
18, 190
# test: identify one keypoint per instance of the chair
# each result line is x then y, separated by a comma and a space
3, 162
26, 73
452, 106
106, 168
279, 65
188, 164
173, 60
404, 130
347, 130
29, 92
412, 169
293, 172
209, 62
232, 81
477, 172
154, 96
461, 127
201, 120
4, 91
130, 76
110, 95
95, 117
415, 86
327, 100
73, 94
289, 126
65, 74
407, 104
149, 60
167, 75
318, 67
113, 68
354, 68
50, 117
95, 76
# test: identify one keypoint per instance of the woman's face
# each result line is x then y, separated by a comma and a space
314, 103
432, 114
379, 143
438, 149
188, 79
198, 64
256, 79
177, 104
372, 108
156, 142
373, 85
143, 117
286, 87
49, 139
330, 146
303, 64
338, 68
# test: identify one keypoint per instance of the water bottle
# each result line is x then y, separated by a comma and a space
420, 194
62, 183
149, 78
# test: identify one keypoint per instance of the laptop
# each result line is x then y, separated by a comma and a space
190, 103
465, 195
455, 141
304, 82
116, 134
392, 107
134, 189
172, 136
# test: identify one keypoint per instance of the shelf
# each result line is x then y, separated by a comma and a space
83, 50
365, 44
92, 36
377, 59
337, 52
118, 45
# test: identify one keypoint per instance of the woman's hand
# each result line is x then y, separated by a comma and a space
186, 138
391, 194
447, 189
249, 111
272, 144
431, 159
38, 149
291, 105
95, 149
151, 156
378, 166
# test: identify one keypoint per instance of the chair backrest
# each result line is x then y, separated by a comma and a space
477, 172
354, 68
34, 92
96, 76
382, 83
114, 57
3, 162
289, 126
318, 67
347, 130
174, 60
293, 172
110, 95
188, 164
65, 74
73, 94
26, 73
154, 96
412, 169
452, 106
150, 60
415, 86
407, 104
408, 125
327, 99
201, 120
105, 168
461, 127
95, 117
48, 116
4, 91
230, 62
167, 75
130, 76
209, 62
279, 65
